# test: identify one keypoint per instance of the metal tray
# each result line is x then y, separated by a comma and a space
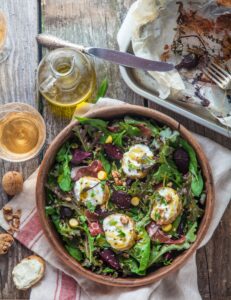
142, 83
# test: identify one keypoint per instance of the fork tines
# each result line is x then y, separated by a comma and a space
219, 75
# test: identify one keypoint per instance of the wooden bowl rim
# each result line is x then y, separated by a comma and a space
51, 234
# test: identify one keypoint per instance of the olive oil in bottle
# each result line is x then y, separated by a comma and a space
66, 77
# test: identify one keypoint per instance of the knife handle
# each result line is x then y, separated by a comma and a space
52, 42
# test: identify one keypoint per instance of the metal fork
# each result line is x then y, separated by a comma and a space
218, 75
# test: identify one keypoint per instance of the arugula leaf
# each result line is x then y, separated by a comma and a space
130, 130
102, 90
167, 173
74, 252
89, 243
197, 184
141, 251
90, 206
158, 251
118, 138
64, 178
97, 123
105, 162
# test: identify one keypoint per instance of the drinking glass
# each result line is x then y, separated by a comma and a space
22, 132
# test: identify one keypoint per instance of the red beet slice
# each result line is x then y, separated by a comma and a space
121, 199
113, 151
108, 256
78, 156
181, 159
158, 235
90, 170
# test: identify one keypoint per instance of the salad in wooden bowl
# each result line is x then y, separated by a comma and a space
125, 199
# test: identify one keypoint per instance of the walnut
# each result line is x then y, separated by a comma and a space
16, 223
17, 214
116, 176
12, 183
124, 220
8, 213
6, 240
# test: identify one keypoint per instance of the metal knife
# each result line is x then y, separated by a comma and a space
116, 57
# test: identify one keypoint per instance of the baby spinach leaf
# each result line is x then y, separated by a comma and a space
197, 180
141, 251
74, 252
129, 265
64, 179
197, 184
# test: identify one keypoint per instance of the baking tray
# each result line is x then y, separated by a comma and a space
142, 83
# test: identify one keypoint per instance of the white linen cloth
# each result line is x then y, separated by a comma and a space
61, 283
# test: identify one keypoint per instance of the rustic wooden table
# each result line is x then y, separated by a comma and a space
90, 22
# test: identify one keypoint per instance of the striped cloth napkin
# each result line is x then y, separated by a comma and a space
62, 283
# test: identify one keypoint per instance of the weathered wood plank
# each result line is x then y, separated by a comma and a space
17, 83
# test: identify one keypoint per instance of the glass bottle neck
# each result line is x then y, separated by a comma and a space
66, 72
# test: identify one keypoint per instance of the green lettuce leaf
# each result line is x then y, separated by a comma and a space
158, 251
141, 251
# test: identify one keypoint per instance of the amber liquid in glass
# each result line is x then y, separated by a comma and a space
20, 133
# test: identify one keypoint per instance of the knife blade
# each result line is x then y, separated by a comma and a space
114, 56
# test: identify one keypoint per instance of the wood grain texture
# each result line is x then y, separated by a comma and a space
91, 22
17, 83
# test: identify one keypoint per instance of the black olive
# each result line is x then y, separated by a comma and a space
181, 159
188, 62
66, 212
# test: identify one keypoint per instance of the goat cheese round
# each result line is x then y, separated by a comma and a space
137, 160
91, 190
119, 231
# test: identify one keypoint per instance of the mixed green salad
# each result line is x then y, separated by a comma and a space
126, 196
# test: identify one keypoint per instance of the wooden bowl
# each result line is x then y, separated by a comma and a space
50, 232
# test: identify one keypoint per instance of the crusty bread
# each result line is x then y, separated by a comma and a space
23, 283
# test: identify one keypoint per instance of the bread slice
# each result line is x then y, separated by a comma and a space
28, 272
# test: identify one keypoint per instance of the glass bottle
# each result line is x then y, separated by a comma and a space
66, 77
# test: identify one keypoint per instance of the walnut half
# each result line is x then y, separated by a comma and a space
6, 240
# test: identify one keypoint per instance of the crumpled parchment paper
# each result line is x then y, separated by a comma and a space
155, 31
